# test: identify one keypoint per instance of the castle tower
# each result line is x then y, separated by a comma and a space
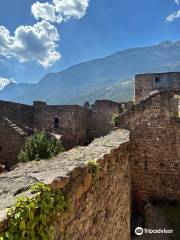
148, 84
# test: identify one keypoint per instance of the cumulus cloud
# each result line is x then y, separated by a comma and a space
39, 42
5, 41
177, 2
71, 8
44, 11
31, 43
173, 16
4, 82
60, 10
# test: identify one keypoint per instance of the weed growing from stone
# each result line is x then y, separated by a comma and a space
94, 168
114, 119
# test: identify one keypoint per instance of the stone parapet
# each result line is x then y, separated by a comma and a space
155, 146
100, 207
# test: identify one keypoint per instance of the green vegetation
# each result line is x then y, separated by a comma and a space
94, 168
172, 216
40, 146
31, 218
114, 118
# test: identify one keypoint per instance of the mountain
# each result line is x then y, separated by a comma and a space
4, 82
106, 78
13, 90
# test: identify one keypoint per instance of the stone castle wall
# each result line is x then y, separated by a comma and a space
68, 121
12, 139
155, 146
100, 208
101, 117
77, 125
148, 84
20, 114
72, 120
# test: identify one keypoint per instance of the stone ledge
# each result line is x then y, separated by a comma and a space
58, 171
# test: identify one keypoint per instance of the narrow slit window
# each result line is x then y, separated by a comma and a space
56, 123
157, 82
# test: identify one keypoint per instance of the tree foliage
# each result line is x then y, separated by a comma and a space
40, 146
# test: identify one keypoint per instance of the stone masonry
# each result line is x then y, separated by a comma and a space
100, 210
12, 138
154, 126
148, 84
143, 165
68, 121
76, 125
101, 117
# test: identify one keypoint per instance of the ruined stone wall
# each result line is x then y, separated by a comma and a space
101, 117
71, 121
20, 114
68, 121
11, 141
155, 146
77, 125
100, 208
147, 84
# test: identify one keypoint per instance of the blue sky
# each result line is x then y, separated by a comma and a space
77, 31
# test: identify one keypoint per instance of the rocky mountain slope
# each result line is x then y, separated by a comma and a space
106, 78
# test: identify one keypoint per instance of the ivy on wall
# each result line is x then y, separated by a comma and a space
31, 218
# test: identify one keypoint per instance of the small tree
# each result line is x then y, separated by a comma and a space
40, 146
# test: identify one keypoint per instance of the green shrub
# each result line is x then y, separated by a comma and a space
32, 218
40, 146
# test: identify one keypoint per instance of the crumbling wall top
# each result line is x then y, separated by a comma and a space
13, 126
166, 101
58, 170
148, 84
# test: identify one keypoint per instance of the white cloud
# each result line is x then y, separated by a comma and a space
177, 2
4, 82
173, 16
5, 41
44, 11
38, 43
31, 43
71, 8
60, 10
